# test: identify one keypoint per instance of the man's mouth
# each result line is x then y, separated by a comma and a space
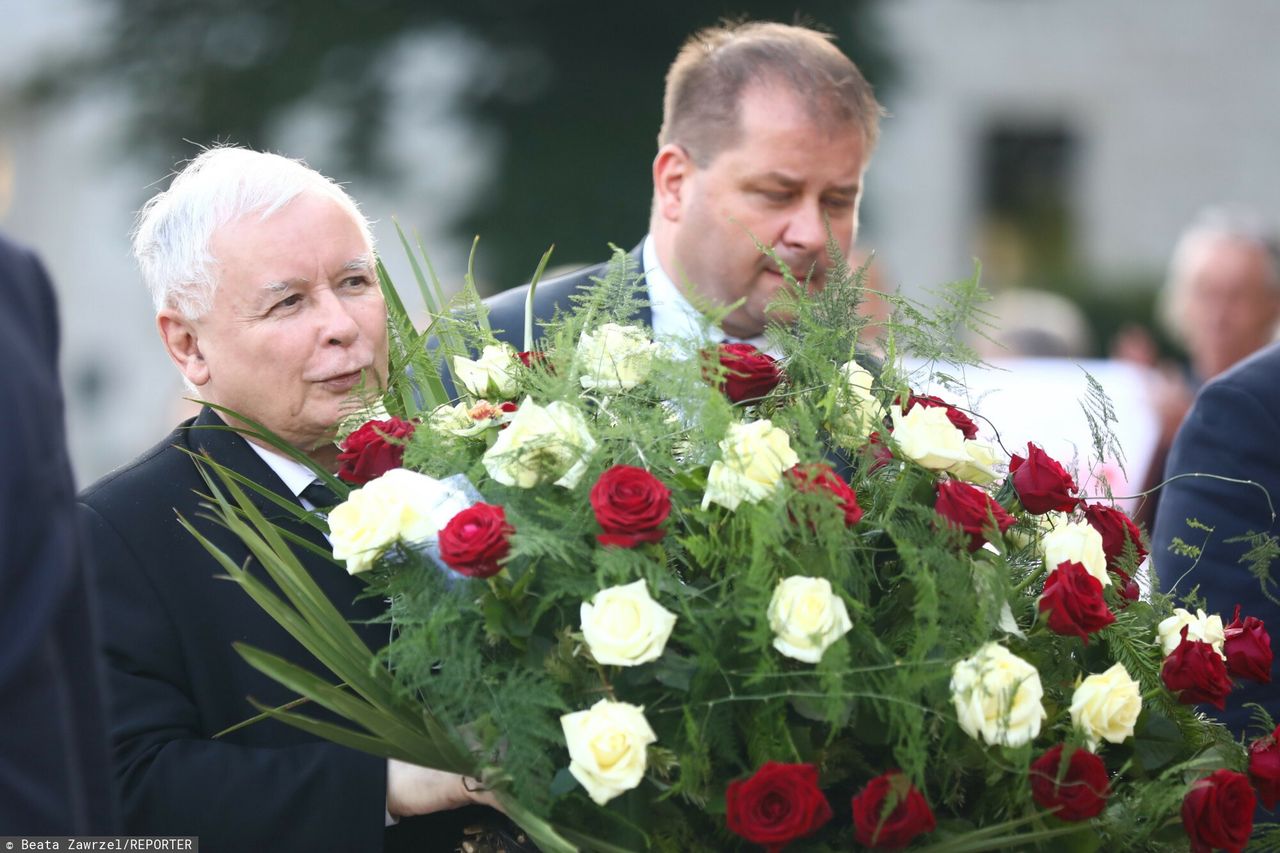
343, 382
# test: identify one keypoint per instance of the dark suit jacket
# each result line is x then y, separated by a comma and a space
54, 777
506, 309
1233, 430
169, 622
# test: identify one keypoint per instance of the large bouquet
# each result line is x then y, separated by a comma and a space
677, 596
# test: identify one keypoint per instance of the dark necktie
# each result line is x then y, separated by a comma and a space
319, 495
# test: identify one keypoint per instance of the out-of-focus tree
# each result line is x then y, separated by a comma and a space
571, 89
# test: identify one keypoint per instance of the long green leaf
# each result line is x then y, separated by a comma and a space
352, 708
332, 732
257, 430
528, 302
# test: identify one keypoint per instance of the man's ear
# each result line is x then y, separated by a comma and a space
181, 340
672, 169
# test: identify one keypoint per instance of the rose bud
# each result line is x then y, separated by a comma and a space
1127, 586
749, 374
1248, 649
475, 540
1117, 529
373, 450
1083, 790
970, 509
535, 358
1264, 768
1073, 600
909, 817
630, 504
1218, 812
1197, 673
1041, 483
819, 477
876, 453
958, 419
779, 804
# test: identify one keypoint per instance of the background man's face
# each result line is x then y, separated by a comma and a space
297, 322
1233, 303
785, 174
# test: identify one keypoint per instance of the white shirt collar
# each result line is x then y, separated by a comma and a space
673, 315
291, 472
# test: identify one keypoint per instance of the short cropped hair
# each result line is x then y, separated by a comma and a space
175, 228
1237, 224
715, 65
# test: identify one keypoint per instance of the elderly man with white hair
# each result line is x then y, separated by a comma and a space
267, 301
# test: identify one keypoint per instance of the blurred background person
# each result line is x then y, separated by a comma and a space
1221, 302
54, 777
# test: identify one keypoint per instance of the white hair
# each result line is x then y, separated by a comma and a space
1225, 223
172, 238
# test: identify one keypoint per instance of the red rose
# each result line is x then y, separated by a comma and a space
1248, 649
890, 812
1116, 530
1264, 768
1083, 790
1041, 483
958, 419
475, 540
1218, 812
630, 503
749, 374
367, 454
779, 804
1073, 599
1198, 671
971, 509
821, 477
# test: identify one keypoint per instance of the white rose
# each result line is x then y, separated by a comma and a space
1106, 706
1078, 542
859, 413
928, 437
1205, 629
607, 745
753, 457
395, 506
615, 358
541, 444
979, 467
624, 626
997, 696
806, 618
491, 375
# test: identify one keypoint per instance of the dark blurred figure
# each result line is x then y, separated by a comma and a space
54, 778
1233, 430
1221, 301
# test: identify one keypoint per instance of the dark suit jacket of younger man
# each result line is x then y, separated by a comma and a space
54, 777
1232, 430
175, 681
506, 309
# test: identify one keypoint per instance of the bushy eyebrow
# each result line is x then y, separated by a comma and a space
363, 264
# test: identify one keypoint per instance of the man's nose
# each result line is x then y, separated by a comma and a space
338, 326
806, 229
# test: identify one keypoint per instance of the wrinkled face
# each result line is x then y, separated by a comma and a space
297, 323
1233, 303
776, 185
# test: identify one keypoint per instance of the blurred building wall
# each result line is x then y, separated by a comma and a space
1153, 109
